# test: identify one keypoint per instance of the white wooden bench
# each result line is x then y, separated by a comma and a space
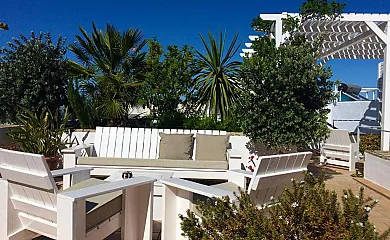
140, 143
32, 204
269, 179
340, 149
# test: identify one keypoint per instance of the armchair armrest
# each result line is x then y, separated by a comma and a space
74, 170
76, 149
198, 188
108, 187
240, 172
235, 159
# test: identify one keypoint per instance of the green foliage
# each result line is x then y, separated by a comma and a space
285, 90
260, 25
209, 123
168, 89
111, 65
40, 134
306, 211
32, 75
284, 95
321, 9
217, 82
81, 105
369, 142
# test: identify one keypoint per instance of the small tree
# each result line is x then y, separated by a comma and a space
32, 75
307, 211
168, 89
285, 89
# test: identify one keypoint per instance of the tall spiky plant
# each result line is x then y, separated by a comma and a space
111, 63
217, 82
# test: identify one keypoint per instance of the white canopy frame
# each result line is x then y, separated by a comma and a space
352, 36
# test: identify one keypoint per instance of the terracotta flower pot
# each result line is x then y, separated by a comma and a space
54, 163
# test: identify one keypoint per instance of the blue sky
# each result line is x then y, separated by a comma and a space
172, 22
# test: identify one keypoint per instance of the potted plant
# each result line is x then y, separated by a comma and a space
41, 135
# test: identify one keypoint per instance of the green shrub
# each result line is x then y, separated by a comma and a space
306, 211
209, 123
39, 134
369, 142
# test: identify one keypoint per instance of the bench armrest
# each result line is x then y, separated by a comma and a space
77, 148
66, 171
102, 189
198, 188
240, 172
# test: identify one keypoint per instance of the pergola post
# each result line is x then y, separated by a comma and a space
385, 136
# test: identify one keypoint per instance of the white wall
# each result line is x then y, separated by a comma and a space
349, 115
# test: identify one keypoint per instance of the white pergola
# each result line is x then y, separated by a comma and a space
353, 36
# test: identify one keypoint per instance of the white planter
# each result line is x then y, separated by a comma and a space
377, 170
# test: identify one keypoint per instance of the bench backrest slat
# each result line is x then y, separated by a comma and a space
141, 143
273, 173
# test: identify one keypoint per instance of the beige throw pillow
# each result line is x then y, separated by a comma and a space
176, 146
211, 147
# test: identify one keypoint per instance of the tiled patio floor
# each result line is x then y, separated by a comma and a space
341, 179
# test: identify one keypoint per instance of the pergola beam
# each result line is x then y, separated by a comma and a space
377, 30
353, 41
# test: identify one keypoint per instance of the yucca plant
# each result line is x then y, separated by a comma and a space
217, 83
40, 134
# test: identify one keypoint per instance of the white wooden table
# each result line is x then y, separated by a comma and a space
157, 191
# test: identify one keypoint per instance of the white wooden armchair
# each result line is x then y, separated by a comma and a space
271, 175
91, 209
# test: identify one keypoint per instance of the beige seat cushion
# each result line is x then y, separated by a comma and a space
211, 148
228, 186
99, 208
157, 163
176, 146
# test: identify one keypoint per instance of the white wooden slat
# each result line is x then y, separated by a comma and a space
140, 143
26, 178
133, 142
126, 143
222, 133
98, 139
104, 143
195, 132
215, 132
154, 144
199, 131
112, 141
119, 142
39, 225
282, 163
298, 161
147, 143
209, 132
180, 131
273, 164
39, 210
291, 162
158, 142
187, 131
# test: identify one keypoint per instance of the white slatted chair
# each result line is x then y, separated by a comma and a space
31, 203
272, 174
340, 150
139, 143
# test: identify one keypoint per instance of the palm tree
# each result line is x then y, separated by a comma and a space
217, 82
3, 26
111, 64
